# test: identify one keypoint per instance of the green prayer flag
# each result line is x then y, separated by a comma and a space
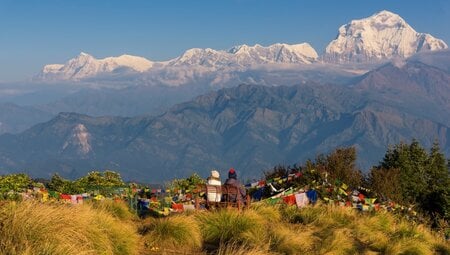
289, 192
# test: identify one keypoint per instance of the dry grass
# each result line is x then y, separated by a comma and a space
232, 226
172, 233
339, 242
35, 228
342, 230
269, 213
288, 239
118, 209
240, 249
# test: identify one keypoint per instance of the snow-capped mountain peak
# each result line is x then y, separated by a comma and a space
241, 48
84, 54
381, 36
203, 57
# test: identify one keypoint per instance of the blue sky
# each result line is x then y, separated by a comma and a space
38, 32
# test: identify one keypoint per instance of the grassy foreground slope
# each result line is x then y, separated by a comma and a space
36, 228
108, 228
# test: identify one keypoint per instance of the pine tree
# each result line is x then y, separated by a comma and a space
437, 198
414, 175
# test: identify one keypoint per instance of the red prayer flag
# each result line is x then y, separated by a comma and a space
290, 200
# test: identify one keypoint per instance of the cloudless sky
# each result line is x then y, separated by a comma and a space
38, 32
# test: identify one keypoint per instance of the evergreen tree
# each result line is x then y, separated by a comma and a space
423, 178
437, 198
414, 175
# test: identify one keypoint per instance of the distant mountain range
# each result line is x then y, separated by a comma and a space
381, 36
249, 127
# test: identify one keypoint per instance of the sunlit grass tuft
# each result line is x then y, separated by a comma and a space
172, 233
240, 249
225, 226
270, 213
288, 239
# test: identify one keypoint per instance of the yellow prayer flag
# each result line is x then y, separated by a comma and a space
166, 211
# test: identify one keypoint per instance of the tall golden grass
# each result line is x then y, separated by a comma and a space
109, 228
35, 228
177, 233
118, 209
342, 230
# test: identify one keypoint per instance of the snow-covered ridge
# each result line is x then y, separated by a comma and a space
85, 65
381, 36
246, 56
276, 53
242, 56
